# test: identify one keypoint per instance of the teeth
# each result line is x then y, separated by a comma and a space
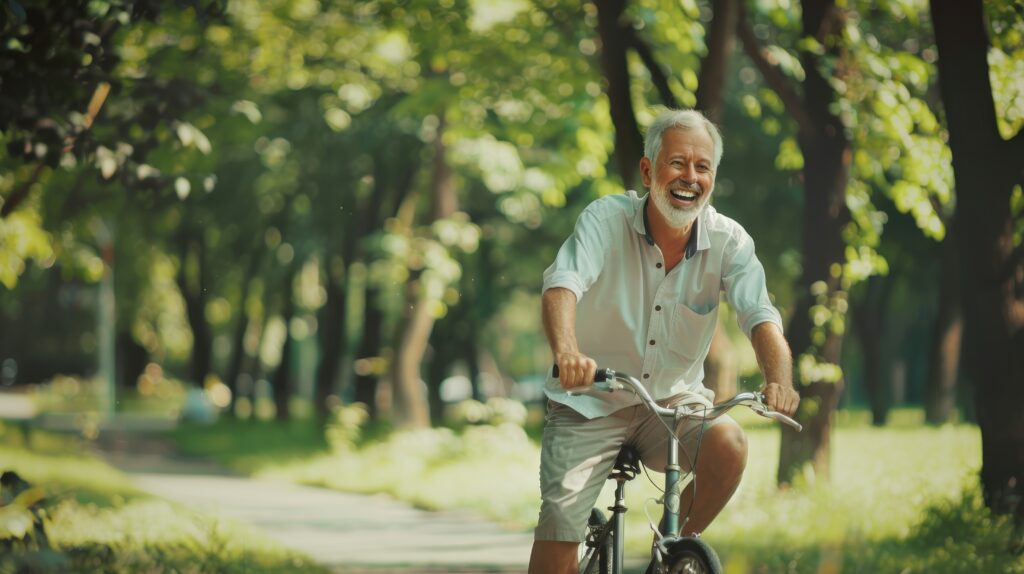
685, 194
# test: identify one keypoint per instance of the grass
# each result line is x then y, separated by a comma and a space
902, 498
97, 521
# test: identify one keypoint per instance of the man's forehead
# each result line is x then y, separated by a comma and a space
698, 140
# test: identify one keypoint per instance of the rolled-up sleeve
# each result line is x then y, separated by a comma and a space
581, 257
744, 284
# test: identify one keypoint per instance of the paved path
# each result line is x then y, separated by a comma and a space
350, 533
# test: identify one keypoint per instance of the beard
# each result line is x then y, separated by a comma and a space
676, 216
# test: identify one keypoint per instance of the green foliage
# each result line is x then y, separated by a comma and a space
954, 536
21, 238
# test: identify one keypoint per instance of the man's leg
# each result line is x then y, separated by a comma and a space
576, 456
721, 458
720, 464
553, 557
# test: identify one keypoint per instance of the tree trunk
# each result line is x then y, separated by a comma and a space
410, 405
827, 155
944, 352
629, 144
986, 169
443, 344
192, 283
869, 318
720, 366
332, 335
241, 326
131, 359
369, 350
282, 380
721, 42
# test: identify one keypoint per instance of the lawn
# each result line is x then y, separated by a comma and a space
96, 521
900, 499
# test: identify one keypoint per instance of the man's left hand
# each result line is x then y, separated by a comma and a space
781, 398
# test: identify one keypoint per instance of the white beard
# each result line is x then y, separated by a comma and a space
678, 217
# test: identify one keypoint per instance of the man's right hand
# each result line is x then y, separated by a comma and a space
575, 370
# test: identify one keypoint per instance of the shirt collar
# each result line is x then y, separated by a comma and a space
699, 239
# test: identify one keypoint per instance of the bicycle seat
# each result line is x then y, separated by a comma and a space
627, 464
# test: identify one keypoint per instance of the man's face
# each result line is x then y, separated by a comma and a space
683, 175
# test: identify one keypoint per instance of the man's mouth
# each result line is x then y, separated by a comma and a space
685, 195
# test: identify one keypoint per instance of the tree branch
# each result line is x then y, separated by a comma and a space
658, 75
95, 104
777, 81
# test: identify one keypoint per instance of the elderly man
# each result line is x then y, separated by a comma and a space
636, 288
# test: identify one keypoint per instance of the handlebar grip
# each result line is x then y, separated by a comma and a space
601, 376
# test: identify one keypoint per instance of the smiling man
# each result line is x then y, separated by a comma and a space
636, 288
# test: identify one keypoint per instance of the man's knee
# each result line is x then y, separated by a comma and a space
553, 557
727, 447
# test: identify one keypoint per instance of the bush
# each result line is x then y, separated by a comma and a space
958, 536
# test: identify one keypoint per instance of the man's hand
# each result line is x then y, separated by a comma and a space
781, 398
575, 370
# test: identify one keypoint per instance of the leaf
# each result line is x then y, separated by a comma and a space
248, 109
182, 187
189, 135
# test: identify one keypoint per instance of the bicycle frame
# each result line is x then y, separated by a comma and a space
608, 380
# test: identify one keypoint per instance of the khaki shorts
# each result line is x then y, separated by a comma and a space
578, 453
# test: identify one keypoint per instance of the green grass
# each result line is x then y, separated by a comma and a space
97, 521
902, 498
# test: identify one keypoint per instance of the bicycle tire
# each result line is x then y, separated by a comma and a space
691, 556
596, 549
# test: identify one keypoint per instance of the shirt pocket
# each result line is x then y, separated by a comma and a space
692, 330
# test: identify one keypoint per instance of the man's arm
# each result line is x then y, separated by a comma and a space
775, 360
559, 316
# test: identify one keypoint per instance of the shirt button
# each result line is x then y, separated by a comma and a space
657, 307
658, 265
646, 376
652, 341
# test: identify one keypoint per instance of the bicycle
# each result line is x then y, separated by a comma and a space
602, 549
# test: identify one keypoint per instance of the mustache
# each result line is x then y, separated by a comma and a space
684, 186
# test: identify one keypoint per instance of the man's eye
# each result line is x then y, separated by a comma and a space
676, 164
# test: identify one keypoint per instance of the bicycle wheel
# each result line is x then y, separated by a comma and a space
691, 556
596, 550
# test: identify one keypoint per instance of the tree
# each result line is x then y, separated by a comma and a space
986, 164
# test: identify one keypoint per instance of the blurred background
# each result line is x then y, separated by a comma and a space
255, 211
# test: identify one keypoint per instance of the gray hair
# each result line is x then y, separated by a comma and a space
685, 120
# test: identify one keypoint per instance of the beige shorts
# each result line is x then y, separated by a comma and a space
578, 453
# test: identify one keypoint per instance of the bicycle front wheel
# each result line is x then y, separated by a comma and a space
691, 556
595, 554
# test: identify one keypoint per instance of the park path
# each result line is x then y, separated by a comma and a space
349, 533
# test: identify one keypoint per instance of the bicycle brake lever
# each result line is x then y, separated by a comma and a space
764, 411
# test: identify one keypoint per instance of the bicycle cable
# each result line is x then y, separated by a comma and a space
692, 473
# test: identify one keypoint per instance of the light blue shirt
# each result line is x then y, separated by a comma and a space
634, 318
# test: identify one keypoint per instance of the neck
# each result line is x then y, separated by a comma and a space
666, 237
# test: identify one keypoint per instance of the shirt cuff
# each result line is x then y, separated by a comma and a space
762, 315
565, 279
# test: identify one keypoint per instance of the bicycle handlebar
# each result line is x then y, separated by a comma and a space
608, 380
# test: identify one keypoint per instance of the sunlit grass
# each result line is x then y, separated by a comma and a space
896, 502
98, 521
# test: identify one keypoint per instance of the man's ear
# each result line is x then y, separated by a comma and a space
646, 171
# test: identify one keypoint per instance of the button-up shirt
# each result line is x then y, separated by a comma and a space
633, 317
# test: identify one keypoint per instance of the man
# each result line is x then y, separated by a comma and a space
636, 289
